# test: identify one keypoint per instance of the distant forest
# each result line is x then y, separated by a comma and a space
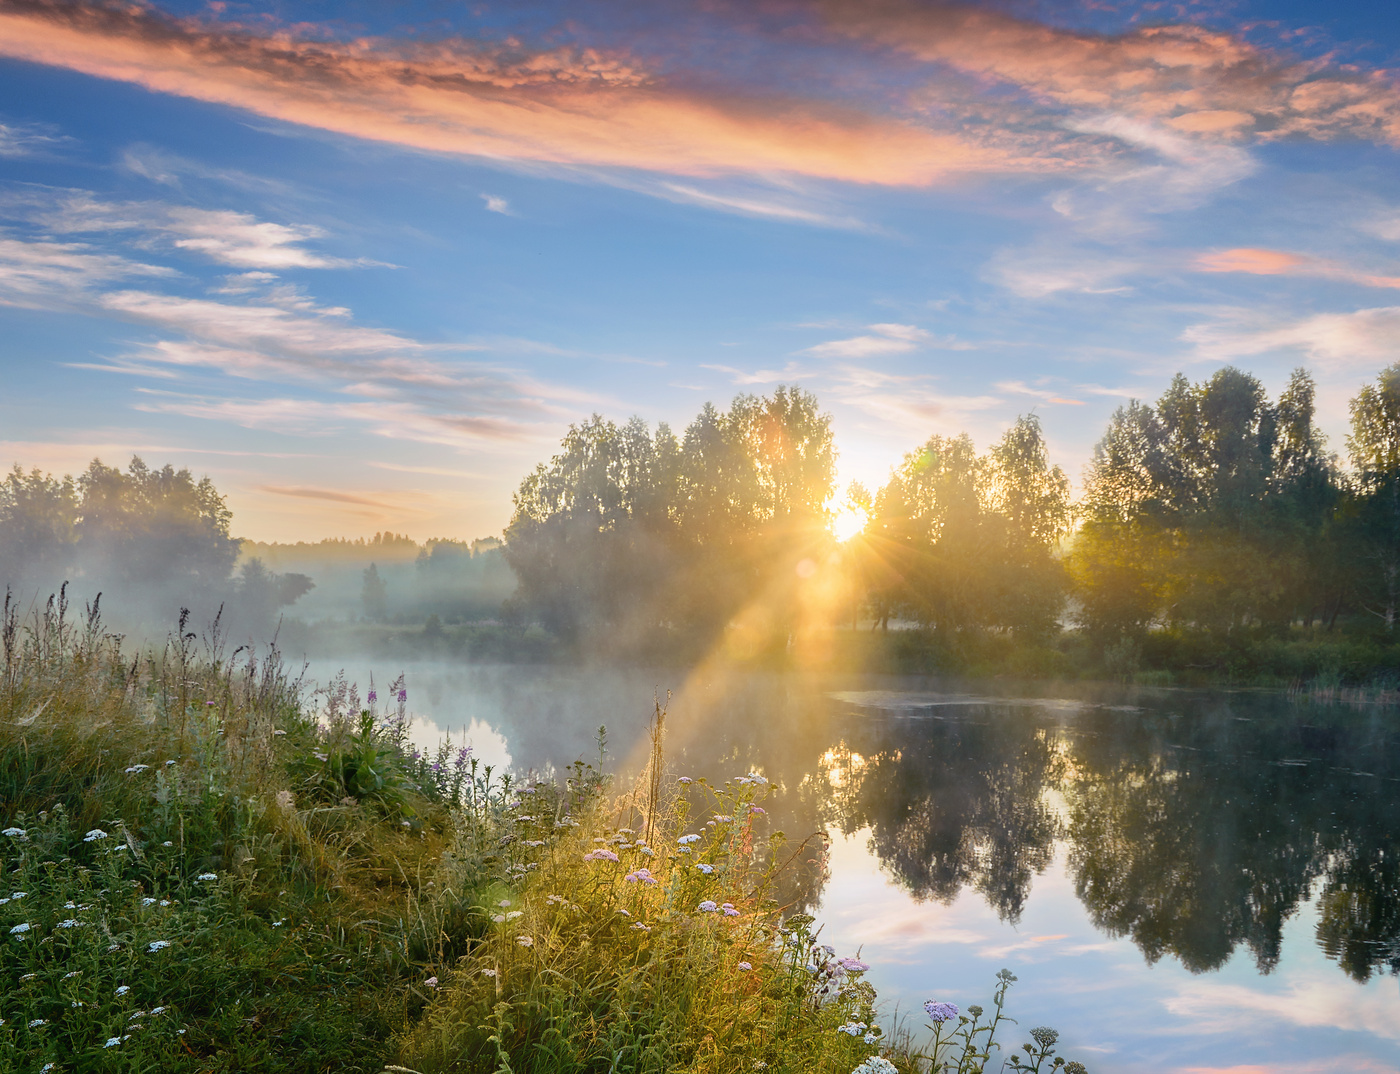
1215, 532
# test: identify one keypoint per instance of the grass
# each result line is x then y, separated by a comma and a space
202, 872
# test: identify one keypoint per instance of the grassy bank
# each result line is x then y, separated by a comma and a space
202, 873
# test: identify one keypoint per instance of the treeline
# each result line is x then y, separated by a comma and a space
627, 535
390, 578
1211, 521
154, 541
150, 540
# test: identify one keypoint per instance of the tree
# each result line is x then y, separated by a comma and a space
38, 528
374, 595
1374, 445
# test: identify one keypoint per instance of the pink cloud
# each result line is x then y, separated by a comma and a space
1198, 80
1259, 262
568, 105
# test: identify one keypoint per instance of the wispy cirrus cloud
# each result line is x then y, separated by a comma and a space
1263, 262
1362, 338
27, 140
224, 236
42, 274
1197, 80
885, 339
569, 105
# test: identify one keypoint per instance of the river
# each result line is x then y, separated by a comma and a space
1182, 881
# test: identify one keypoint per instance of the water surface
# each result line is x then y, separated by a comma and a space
1182, 881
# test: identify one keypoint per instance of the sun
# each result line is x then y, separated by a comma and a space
848, 522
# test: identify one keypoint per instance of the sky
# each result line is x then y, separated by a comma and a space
363, 263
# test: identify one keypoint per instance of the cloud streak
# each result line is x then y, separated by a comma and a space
569, 105
1199, 81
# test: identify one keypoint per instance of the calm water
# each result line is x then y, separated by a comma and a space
1182, 881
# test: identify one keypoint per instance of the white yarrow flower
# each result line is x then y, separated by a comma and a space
94, 835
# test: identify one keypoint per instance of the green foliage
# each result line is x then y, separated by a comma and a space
625, 536
963, 543
201, 875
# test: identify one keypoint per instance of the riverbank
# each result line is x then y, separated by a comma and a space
203, 874
1360, 665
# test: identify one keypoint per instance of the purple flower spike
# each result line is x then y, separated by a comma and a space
403, 696
373, 697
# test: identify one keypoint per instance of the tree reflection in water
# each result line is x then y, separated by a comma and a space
1193, 825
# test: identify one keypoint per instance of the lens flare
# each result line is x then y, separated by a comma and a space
848, 522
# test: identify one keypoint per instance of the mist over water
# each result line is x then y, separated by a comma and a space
1180, 879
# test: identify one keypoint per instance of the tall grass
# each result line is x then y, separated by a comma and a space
204, 868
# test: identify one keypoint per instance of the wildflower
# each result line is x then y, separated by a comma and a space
647, 851
29, 977
745, 966
372, 697
431, 982
157, 945
48, 1067
15, 833
525, 941
164, 902
722, 819
852, 965
488, 973
601, 854
15, 896
514, 914
624, 913
403, 696
640, 875
279, 922
705, 867
278, 731
685, 781
123, 989
137, 768
524, 818
754, 777
207, 876
37, 1022
876, 1065
686, 840
640, 927
94, 835
682, 850
20, 929
158, 1010
1044, 1036
112, 1042
871, 1038
533, 843
77, 1003
169, 763
167, 843
135, 1015
729, 910
759, 810
854, 1029
709, 906
940, 1012
70, 973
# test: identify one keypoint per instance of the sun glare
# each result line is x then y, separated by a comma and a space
848, 522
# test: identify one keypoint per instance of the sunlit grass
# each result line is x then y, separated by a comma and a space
199, 872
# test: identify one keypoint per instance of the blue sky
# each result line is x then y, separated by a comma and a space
362, 263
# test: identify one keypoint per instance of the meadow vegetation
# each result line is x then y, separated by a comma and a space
202, 870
